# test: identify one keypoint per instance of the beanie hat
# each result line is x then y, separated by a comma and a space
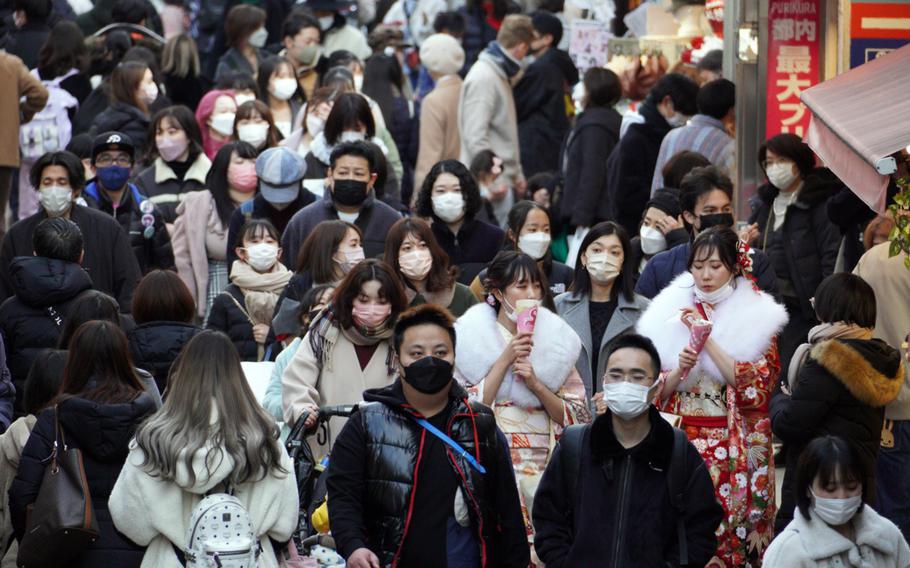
442, 54
667, 200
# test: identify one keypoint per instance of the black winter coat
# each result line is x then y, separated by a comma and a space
32, 319
26, 42
630, 169
811, 240
108, 259
155, 345
259, 208
126, 119
226, 316
371, 478
584, 168
622, 509
103, 433
152, 248
841, 390
472, 248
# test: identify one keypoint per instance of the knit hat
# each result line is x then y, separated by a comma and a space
280, 171
667, 200
116, 141
442, 54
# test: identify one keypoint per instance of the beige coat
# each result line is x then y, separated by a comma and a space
487, 118
188, 241
339, 381
15, 83
439, 138
11, 443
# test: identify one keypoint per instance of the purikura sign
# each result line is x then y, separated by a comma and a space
794, 36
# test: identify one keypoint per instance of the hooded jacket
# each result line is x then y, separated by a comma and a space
124, 118
810, 240
154, 512
841, 390
43, 287
102, 432
155, 345
372, 479
149, 238
621, 509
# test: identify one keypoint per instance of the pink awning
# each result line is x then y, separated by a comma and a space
859, 119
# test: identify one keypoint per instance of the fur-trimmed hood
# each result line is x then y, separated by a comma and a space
479, 344
744, 324
872, 370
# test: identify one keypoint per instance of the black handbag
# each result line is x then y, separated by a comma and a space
61, 523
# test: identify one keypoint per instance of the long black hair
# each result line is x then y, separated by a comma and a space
625, 282
217, 181
518, 215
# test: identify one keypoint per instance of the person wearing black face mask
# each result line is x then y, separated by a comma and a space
460, 482
706, 200
349, 196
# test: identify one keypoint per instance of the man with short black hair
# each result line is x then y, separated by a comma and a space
302, 42
705, 133
628, 489
44, 286
59, 178
349, 196
706, 200
456, 502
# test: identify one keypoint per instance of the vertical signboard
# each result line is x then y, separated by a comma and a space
794, 35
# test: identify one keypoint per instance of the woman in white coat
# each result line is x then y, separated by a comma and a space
833, 526
173, 463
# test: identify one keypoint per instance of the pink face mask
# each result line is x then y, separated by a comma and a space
370, 318
242, 177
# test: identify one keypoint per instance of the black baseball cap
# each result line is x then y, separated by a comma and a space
116, 141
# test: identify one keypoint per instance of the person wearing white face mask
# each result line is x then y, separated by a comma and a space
627, 514
522, 365
720, 387
791, 223
661, 229
255, 126
215, 116
528, 231
244, 310
835, 526
428, 278
245, 36
281, 92
310, 122
450, 198
601, 304
133, 90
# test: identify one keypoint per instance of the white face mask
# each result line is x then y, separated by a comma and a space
223, 123
836, 512
283, 89
351, 259
677, 120
351, 136
240, 99
534, 245
314, 124
627, 400
358, 83
603, 267
652, 240
262, 256
781, 175
325, 22
259, 37
56, 200
255, 134
717, 296
511, 312
150, 93
415, 265
449, 206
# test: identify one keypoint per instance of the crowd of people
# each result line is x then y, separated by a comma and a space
565, 348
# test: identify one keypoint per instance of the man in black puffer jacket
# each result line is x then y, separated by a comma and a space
400, 494
45, 285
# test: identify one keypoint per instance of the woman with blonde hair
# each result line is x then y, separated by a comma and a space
180, 67
175, 461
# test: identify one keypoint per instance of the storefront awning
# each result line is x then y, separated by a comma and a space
859, 119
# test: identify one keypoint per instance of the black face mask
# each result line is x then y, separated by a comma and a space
429, 375
715, 220
350, 192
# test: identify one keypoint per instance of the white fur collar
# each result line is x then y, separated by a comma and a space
744, 324
323, 151
479, 344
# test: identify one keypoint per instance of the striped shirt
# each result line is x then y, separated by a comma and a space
703, 134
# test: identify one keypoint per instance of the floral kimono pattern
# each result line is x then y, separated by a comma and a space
732, 433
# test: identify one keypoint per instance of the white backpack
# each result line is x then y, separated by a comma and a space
220, 535
50, 129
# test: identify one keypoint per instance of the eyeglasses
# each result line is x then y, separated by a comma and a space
635, 377
105, 161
